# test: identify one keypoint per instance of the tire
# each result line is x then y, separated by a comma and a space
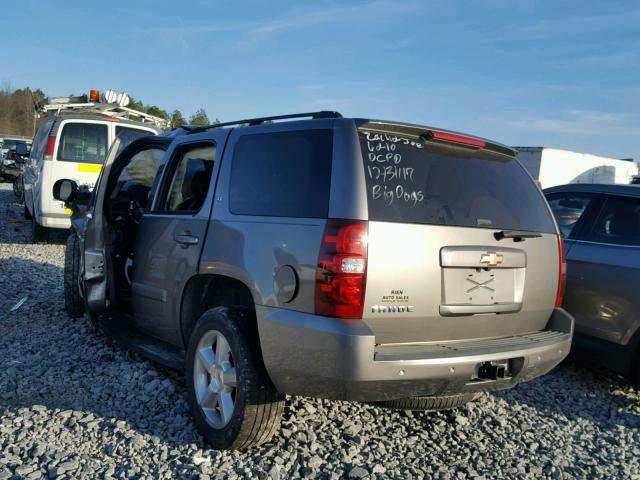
39, 234
237, 417
429, 404
73, 302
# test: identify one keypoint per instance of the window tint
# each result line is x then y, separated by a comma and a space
191, 179
83, 142
284, 174
618, 222
135, 179
409, 180
128, 135
568, 209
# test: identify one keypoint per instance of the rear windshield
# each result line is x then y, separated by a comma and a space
11, 144
413, 181
83, 142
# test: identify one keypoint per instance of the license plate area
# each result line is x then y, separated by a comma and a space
479, 280
479, 286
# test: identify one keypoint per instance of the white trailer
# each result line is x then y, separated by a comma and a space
553, 166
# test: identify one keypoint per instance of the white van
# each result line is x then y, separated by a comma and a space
70, 146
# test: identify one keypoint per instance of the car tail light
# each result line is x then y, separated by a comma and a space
342, 268
455, 138
51, 145
562, 273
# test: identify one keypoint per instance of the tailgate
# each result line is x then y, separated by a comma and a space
450, 283
443, 264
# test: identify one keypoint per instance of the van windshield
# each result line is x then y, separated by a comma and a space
83, 142
412, 181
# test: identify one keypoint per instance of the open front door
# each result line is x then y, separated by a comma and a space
128, 174
94, 282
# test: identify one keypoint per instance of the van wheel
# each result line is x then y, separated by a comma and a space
73, 303
432, 404
39, 234
233, 401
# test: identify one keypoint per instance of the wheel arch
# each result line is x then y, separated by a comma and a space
205, 291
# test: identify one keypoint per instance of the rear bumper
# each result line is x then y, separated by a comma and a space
310, 355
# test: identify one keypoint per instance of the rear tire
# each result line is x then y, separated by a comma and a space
429, 404
232, 399
73, 302
39, 234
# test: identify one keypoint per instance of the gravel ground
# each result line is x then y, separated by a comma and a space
74, 404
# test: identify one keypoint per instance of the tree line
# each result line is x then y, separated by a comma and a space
17, 108
176, 118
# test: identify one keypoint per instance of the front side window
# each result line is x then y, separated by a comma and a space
83, 142
190, 180
136, 179
568, 209
284, 174
618, 222
128, 135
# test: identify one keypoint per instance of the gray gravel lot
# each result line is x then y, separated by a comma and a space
75, 404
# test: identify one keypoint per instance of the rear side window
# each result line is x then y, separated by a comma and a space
413, 181
618, 222
83, 142
284, 174
568, 209
128, 135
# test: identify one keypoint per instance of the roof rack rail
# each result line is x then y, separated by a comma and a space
261, 120
104, 109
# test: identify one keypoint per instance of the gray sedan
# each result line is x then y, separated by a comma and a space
600, 225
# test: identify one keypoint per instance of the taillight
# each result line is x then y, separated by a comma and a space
562, 273
456, 138
51, 145
341, 270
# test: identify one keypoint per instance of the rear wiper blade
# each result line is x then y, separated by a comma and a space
517, 235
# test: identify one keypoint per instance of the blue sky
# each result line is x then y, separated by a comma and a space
555, 73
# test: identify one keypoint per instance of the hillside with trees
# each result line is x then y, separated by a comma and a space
17, 108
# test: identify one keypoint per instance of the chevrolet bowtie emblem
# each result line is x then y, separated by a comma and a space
492, 259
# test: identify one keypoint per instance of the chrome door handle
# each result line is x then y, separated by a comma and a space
186, 239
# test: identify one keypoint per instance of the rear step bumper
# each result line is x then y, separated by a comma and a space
318, 356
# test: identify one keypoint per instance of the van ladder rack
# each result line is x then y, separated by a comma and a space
111, 110
261, 120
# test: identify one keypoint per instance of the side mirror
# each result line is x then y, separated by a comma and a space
65, 190
21, 149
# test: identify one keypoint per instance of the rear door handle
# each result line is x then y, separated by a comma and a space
185, 239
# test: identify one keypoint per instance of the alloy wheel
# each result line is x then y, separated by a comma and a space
215, 378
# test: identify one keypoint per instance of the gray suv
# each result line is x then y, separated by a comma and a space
322, 256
